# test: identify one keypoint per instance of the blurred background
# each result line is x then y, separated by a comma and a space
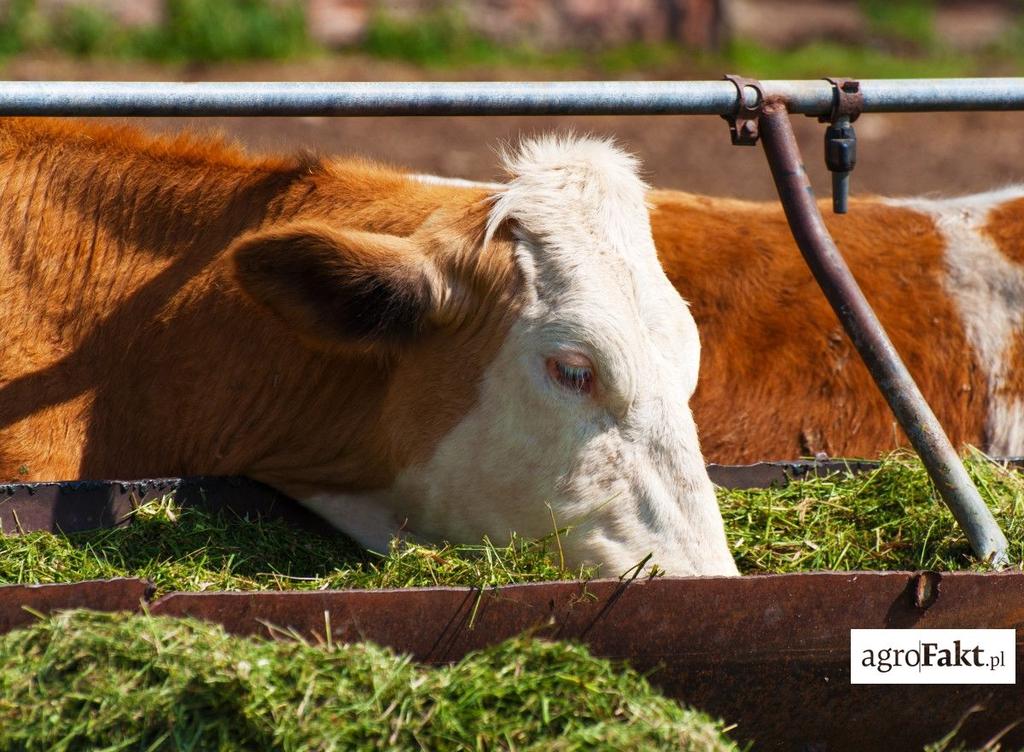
360, 40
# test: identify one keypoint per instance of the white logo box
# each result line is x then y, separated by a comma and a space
933, 656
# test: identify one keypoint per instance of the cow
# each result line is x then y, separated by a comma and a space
425, 361
779, 379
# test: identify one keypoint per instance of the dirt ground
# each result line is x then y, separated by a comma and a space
898, 154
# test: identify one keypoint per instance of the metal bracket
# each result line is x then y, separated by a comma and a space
743, 122
847, 100
841, 139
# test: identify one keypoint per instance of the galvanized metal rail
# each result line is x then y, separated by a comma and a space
488, 98
770, 101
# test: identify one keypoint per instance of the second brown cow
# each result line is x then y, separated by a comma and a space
780, 379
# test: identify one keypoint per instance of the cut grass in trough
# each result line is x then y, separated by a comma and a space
886, 519
81, 680
890, 518
84, 680
193, 549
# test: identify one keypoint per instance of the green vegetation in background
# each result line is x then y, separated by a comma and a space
886, 519
901, 21
642, 56
83, 680
1011, 47
230, 30
443, 39
84, 31
824, 58
438, 38
193, 31
903, 43
21, 27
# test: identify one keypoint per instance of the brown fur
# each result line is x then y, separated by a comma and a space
779, 378
130, 349
1006, 228
1012, 384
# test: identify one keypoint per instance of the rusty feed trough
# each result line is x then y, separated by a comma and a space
770, 653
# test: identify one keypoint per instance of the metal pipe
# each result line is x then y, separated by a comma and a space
840, 158
105, 98
864, 329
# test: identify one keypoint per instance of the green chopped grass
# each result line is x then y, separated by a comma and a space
83, 680
193, 549
886, 519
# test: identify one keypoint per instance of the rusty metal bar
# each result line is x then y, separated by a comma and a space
858, 319
20, 604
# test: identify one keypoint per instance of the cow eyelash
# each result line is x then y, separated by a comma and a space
578, 379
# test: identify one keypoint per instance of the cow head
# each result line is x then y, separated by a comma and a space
514, 367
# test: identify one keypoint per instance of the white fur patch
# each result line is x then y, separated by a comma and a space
988, 290
452, 182
584, 176
372, 524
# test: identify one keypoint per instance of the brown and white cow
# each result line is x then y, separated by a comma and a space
404, 358
779, 378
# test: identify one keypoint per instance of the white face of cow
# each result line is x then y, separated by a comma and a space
583, 413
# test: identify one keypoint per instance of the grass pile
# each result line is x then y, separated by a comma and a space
890, 518
88, 680
193, 549
886, 519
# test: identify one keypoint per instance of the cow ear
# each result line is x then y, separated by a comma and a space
338, 287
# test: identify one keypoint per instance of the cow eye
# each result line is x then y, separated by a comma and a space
576, 376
